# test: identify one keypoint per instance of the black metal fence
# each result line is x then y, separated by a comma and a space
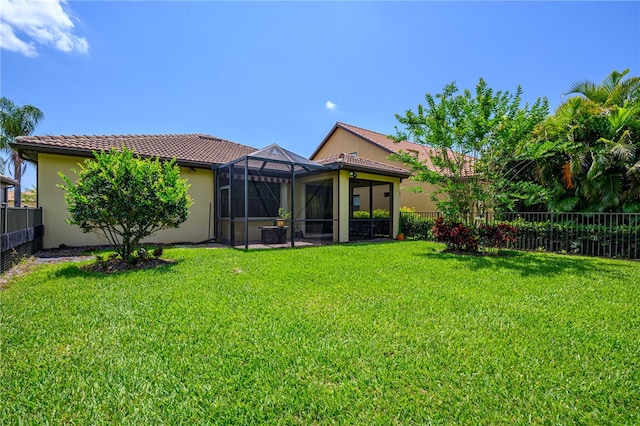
22, 232
614, 235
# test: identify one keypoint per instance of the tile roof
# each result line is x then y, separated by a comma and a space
424, 152
353, 162
383, 141
188, 149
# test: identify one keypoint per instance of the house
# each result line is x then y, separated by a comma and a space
28, 198
237, 189
5, 183
359, 142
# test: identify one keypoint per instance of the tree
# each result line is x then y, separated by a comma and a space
17, 121
127, 198
588, 153
613, 91
472, 140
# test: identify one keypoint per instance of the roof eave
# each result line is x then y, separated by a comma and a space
366, 138
326, 138
355, 168
8, 181
29, 150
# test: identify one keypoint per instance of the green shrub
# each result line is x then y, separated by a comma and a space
127, 198
381, 214
413, 226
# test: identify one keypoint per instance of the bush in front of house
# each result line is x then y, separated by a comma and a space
126, 198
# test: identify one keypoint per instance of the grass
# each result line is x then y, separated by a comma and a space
391, 333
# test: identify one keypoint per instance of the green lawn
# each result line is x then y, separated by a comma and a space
387, 333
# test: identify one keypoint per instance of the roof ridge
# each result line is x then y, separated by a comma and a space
425, 147
192, 148
128, 135
362, 128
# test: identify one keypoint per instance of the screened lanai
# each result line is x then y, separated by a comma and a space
273, 197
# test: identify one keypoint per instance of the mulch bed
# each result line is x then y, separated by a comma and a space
77, 254
112, 266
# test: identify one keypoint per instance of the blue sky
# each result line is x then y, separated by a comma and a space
284, 72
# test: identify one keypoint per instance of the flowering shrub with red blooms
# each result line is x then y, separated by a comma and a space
455, 235
497, 236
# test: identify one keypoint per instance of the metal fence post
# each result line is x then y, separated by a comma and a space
4, 229
551, 248
4, 218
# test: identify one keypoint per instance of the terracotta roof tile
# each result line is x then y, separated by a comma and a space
352, 161
186, 148
424, 152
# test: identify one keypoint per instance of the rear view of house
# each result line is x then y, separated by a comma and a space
237, 190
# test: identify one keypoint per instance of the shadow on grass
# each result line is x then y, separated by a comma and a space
532, 264
74, 270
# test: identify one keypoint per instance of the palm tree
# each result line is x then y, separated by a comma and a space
613, 91
602, 127
17, 121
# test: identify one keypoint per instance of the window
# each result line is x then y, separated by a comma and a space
356, 203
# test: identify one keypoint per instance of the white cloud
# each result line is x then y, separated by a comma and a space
27, 23
330, 105
9, 41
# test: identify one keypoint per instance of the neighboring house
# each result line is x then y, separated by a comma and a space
360, 142
28, 198
5, 183
237, 190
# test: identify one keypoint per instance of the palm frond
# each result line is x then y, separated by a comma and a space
598, 166
610, 188
565, 204
623, 149
613, 79
567, 176
581, 88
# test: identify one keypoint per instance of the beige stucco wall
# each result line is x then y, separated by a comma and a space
343, 141
198, 227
